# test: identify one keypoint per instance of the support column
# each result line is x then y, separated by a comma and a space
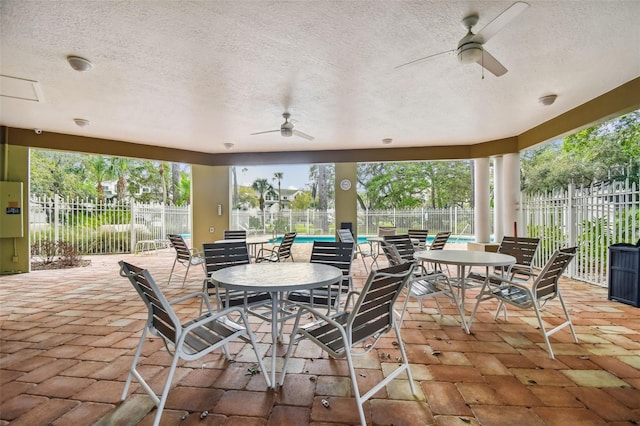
481, 208
498, 199
510, 204
345, 195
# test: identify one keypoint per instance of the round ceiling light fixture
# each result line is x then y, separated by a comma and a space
387, 141
547, 100
229, 145
79, 64
81, 122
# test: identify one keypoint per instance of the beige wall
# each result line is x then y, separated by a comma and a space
15, 168
209, 187
345, 201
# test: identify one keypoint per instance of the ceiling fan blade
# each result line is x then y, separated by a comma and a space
423, 59
500, 22
303, 135
491, 64
268, 131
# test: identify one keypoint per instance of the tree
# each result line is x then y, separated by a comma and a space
120, 168
58, 173
184, 190
262, 187
235, 197
302, 201
99, 170
605, 152
278, 176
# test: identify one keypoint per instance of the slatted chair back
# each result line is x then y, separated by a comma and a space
386, 230
403, 245
391, 253
161, 320
372, 316
279, 252
189, 341
184, 256
439, 241
419, 238
240, 234
523, 249
224, 255
332, 253
545, 287
284, 251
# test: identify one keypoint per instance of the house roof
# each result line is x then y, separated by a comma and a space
196, 75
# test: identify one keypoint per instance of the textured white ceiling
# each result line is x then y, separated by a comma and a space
194, 75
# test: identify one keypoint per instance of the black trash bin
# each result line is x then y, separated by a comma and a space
624, 273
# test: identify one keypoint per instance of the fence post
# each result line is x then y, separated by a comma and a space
132, 226
56, 217
572, 226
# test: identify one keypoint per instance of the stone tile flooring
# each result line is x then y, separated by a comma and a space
68, 336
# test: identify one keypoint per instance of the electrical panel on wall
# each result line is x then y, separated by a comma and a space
11, 224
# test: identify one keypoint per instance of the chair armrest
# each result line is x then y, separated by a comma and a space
316, 314
199, 294
273, 250
494, 278
211, 318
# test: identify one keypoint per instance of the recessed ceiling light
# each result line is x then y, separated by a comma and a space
547, 100
229, 145
387, 141
81, 122
79, 64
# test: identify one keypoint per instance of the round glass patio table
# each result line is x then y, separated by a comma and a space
463, 259
276, 278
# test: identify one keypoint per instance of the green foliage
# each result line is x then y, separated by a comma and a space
605, 152
551, 236
410, 185
302, 201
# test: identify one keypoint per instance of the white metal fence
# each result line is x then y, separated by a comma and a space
591, 218
311, 222
99, 228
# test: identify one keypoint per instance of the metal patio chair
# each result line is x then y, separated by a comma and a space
418, 238
223, 255
333, 253
279, 252
184, 255
190, 340
424, 284
235, 234
523, 249
346, 236
532, 295
355, 332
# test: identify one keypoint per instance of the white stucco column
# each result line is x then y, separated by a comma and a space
510, 201
481, 198
498, 199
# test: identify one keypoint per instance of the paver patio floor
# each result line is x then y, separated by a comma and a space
67, 338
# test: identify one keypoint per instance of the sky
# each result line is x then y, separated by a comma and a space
295, 176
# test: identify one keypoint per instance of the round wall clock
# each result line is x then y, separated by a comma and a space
345, 184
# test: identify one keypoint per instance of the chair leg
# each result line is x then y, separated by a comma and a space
356, 391
136, 357
165, 390
184, 280
544, 331
566, 314
172, 269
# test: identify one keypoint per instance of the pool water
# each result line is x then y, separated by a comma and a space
312, 238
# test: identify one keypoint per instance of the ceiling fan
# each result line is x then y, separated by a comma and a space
286, 129
471, 47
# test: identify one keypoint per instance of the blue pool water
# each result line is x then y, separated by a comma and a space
312, 238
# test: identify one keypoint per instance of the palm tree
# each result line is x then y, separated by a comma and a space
161, 168
99, 170
120, 168
262, 187
278, 176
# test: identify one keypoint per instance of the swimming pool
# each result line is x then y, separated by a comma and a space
363, 239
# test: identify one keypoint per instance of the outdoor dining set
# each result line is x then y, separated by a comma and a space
320, 299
